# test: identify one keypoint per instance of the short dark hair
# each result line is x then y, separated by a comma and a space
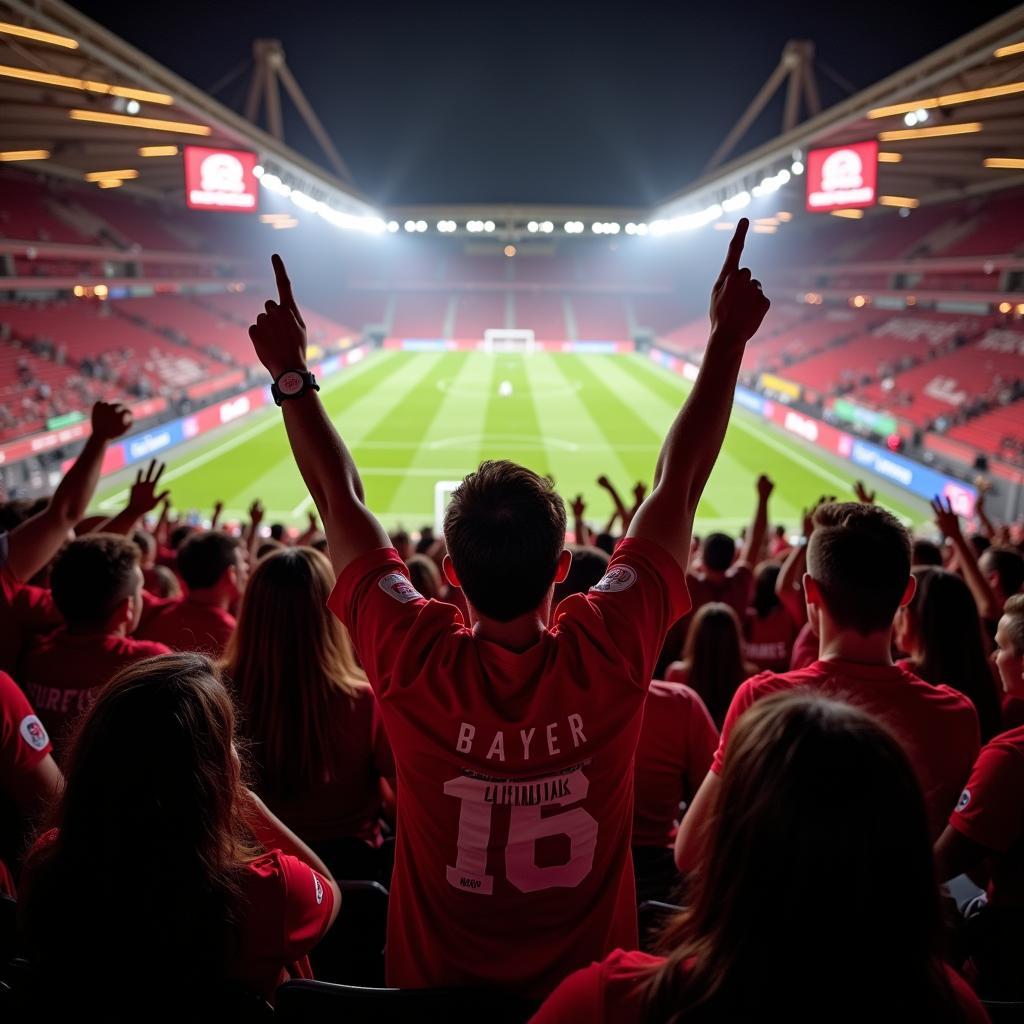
277, 531
180, 534
205, 557
144, 541
1014, 611
859, 556
718, 552
92, 576
1008, 565
505, 529
926, 552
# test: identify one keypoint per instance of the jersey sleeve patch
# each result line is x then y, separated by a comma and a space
398, 587
622, 577
965, 799
319, 889
33, 733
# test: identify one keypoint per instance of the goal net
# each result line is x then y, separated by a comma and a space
498, 339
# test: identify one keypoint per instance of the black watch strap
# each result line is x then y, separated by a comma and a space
293, 384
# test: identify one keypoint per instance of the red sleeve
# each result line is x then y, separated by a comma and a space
970, 1005
23, 739
634, 604
379, 606
577, 998
989, 809
152, 606
701, 743
746, 695
309, 901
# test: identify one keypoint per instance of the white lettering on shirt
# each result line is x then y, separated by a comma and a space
576, 726
497, 750
527, 738
497, 747
466, 734
552, 739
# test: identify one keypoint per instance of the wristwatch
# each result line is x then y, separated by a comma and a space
293, 384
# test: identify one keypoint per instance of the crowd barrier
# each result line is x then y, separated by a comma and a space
918, 479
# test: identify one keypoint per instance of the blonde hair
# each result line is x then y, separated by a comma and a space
289, 660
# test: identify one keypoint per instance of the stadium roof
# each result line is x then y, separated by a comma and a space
90, 102
972, 95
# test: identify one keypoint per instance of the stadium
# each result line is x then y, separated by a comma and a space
144, 349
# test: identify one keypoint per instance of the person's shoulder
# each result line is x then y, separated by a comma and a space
939, 695
669, 693
763, 683
130, 647
973, 1010
1007, 745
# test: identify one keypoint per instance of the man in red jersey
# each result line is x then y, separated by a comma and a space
858, 575
513, 739
97, 587
214, 568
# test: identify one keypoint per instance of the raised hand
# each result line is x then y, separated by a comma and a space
578, 507
864, 496
256, 513
738, 305
946, 519
218, 508
603, 481
279, 334
110, 420
314, 524
639, 491
765, 486
143, 497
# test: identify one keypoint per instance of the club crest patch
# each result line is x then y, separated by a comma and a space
319, 889
33, 733
622, 577
398, 586
965, 799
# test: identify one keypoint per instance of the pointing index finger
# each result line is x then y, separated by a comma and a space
284, 286
732, 257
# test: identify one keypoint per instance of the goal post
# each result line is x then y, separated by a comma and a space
509, 339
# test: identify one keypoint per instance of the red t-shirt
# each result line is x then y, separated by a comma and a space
349, 802
60, 673
805, 648
185, 625
768, 641
25, 610
936, 725
735, 590
677, 742
990, 812
515, 770
612, 992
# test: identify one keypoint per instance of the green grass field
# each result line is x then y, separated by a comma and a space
414, 419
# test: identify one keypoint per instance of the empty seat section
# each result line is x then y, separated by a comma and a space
477, 312
543, 313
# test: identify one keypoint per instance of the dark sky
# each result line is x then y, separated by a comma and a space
532, 102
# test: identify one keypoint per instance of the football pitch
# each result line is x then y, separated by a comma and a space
417, 419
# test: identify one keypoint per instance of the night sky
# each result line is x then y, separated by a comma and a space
530, 102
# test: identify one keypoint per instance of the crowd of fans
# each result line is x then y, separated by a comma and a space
808, 747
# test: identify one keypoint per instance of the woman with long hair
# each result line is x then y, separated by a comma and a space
940, 631
769, 630
161, 870
818, 816
713, 664
315, 739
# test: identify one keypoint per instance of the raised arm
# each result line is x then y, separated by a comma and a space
985, 525
580, 531
620, 508
37, 540
695, 438
759, 526
948, 523
142, 499
326, 465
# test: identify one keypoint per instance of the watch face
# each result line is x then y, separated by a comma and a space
290, 383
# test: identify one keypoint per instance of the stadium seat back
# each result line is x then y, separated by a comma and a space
318, 1002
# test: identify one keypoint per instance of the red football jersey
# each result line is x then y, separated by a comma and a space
990, 812
614, 992
936, 725
515, 770
25, 610
185, 625
61, 672
805, 648
768, 640
677, 743
735, 590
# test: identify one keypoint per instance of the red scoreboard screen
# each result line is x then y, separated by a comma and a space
842, 177
220, 179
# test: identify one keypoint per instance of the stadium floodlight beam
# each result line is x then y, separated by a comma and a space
797, 167
393, 226
736, 202
257, 171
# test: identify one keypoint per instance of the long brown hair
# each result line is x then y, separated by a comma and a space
714, 657
951, 647
289, 660
818, 812
141, 876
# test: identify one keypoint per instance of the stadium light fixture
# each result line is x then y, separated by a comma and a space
547, 227
889, 158
110, 183
630, 228
1009, 51
533, 227
274, 184
11, 155
152, 123
765, 229
905, 135
797, 167
488, 225
904, 201
303, 201
1020, 308
784, 215
1005, 307
421, 226
859, 301
173, 151
1014, 163
410, 226
127, 173
133, 106
509, 250
642, 229
392, 226
38, 36
736, 202
84, 85
910, 118
920, 108
847, 214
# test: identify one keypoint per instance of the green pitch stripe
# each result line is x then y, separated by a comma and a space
512, 428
